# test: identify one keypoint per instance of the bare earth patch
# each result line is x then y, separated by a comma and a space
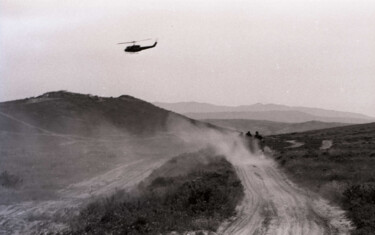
326, 144
295, 144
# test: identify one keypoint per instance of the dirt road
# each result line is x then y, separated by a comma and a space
273, 205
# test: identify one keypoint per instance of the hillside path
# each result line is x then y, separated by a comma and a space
43, 217
274, 205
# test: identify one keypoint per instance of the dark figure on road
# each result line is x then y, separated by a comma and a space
259, 137
260, 140
248, 134
249, 140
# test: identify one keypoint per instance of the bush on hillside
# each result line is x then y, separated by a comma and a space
359, 201
8, 180
200, 200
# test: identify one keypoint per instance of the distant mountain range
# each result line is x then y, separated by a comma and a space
269, 112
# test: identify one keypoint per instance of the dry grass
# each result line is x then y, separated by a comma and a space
335, 172
201, 192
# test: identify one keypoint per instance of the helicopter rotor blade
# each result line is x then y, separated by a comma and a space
135, 41
127, 42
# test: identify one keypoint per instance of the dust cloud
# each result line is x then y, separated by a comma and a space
237, 149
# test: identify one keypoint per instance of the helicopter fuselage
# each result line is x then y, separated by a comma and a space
136, 48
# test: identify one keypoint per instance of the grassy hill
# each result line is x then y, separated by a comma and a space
84, 115
338, 163
61, 150
60, 138
191, 192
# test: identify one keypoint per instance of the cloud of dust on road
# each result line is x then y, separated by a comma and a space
237, 149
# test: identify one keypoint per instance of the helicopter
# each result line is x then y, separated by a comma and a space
136, 48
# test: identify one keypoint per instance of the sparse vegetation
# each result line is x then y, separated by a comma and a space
343, 173
359, 200
198, 200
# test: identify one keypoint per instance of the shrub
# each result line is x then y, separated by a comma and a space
359, 201
199, 200
8, 180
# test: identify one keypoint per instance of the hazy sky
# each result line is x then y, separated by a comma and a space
306, 53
